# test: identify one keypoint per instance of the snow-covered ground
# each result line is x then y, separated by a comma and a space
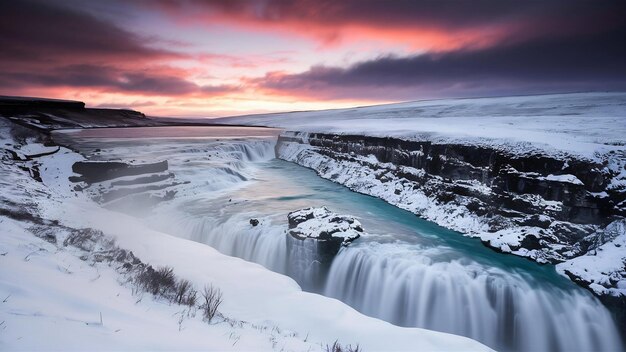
581, 124
604, 266
51, 299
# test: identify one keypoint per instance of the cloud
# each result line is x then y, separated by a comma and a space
463, 48
593, 61
439, 25
111, 79
48, 32
46, 44
132, 104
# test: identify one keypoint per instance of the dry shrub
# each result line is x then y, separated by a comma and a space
336, 347
211, 300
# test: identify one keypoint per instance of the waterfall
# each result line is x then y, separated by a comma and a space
418, 285
308, 262
427, 288
264, 244
504, 310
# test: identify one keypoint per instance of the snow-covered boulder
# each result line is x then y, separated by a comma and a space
322, 224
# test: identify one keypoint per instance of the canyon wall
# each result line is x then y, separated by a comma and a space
548, 208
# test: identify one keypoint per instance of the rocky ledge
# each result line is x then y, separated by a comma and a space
124, 185
552, 209
49, 114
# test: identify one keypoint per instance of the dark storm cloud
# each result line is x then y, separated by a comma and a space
47, 44
108, 77
536, 15
49, 31
597, 61
532, 45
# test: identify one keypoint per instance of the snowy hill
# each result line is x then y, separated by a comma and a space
580, 123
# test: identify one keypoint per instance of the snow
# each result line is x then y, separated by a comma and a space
36, 148
564, 178
315, 222
55, 173
57, 301
604, 267
617, 166
581, 124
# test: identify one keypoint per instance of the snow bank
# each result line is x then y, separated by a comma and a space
563, 178
603, 268
257, 295
59, 300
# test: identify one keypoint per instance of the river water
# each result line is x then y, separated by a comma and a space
407, 271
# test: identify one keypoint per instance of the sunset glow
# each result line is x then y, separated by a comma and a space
217, 58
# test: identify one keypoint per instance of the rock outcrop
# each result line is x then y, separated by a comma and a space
48, 114
322, 224
314, 237
120, 184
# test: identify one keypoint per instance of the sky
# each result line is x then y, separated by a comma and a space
208, 58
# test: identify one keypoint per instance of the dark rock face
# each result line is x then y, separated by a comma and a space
140, 185
506, 174
62, 116
254, 222
48, 114
98, 171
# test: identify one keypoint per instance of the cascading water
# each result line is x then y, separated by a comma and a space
429, 287
265, 245
228, 232
509, 311
412, 274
